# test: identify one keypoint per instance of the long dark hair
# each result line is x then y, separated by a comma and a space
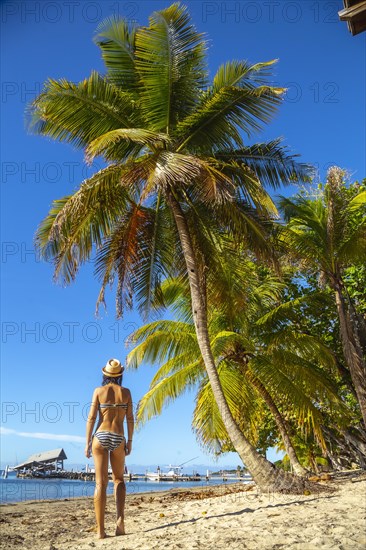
112, 380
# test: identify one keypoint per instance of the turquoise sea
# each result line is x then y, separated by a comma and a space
15, 489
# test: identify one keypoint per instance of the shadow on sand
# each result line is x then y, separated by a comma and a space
238, 513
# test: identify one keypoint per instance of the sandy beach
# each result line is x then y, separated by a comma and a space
220, 517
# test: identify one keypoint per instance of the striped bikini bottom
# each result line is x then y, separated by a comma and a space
109, 440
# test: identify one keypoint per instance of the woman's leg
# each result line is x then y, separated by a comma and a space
118, 466
100, 455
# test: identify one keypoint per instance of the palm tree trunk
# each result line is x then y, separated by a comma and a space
264, 473
358, 324
351, 349
348, 326
312, 461
281, 425
356, 446
346, 447
345, 375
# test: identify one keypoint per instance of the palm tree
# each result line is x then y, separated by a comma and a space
178, 172
254, 357
328, 234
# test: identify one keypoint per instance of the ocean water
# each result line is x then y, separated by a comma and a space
15, 489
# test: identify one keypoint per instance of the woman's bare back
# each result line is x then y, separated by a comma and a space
111, 417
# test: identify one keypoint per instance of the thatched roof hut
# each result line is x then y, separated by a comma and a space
49, 459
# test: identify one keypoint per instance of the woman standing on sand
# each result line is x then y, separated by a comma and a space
114, 404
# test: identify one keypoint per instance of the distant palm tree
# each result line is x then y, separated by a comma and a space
328, 234
256, 356
178, 173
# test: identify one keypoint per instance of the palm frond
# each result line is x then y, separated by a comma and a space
271, 162
296, 345
80, 113
292, 395
353, 247
166, 391
213, 184
307, 243
170, 58
207, 421
245, 225
116, 39
158, 260
119, 255
286, 312
172, 169
249, 188
308, 236
242, 74
177, 363
175, 295
216, 121
311, 212
160, 340
358, 203
76, 223
225, 341
105, 144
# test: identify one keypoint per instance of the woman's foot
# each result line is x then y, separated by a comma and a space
102, 535
120, 527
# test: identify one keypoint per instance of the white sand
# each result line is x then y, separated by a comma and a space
244, 520
234, 521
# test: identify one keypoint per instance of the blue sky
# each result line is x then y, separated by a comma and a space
52, 345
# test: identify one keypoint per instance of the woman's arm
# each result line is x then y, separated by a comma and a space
130, 424
93, 412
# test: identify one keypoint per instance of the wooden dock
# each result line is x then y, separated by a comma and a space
90, 476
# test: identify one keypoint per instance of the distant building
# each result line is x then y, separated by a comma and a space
42, 462
354, 13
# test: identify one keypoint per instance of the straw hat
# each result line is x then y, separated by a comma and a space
113, 368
